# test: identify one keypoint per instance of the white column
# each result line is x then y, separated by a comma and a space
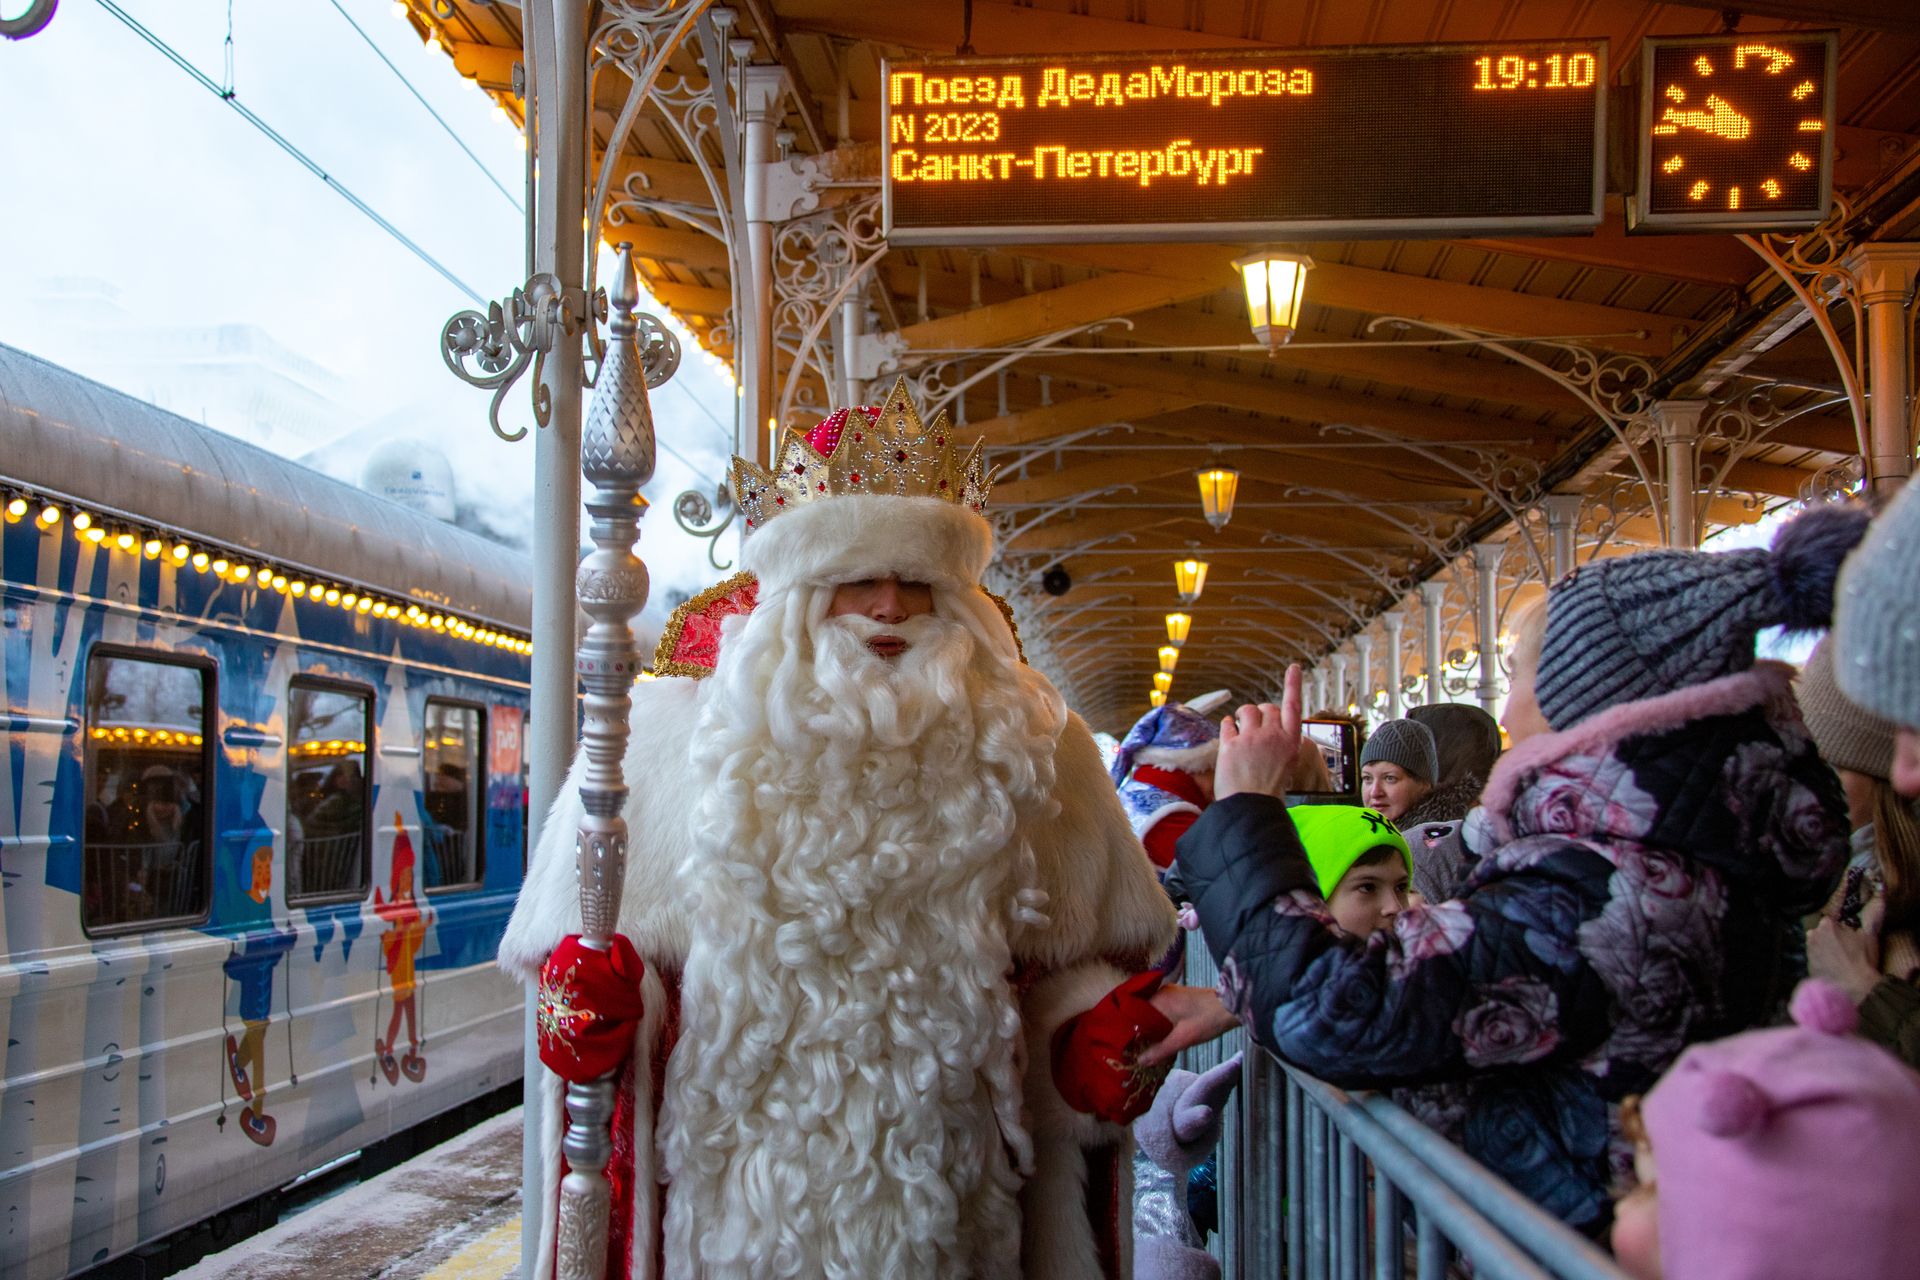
1486, 564
1679, 423
1563, 526
1319, 688
1886, 273
1431, 594
556, 53
761, 90
1396, 624
1363, 646
1339, 661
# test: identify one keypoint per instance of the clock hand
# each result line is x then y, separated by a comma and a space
1719, 119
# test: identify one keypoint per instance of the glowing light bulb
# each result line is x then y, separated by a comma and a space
125, 541
299, 589
180, 552
49, 515
201, 560
96, 535
81, 520
220, 567
333, 595
153, 548
241, 573
16, 508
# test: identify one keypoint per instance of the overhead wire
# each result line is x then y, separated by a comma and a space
417, 97
232, 99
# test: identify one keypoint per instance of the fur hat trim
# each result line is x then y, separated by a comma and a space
870, 536
1181, 759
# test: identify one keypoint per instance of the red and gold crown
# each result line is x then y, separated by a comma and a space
884, 450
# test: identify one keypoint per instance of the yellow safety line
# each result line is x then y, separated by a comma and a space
494, 1256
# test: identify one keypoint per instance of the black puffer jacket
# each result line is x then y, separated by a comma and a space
1638, 887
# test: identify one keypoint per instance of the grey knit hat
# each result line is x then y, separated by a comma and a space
1407, 743
1848, 736
1644, 625
1877, 627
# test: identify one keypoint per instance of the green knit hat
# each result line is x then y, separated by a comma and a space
1336, 836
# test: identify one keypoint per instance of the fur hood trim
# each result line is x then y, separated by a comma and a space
870, 536
1767, 684
1181, 759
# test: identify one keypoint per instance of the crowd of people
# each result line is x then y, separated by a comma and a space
1658, 963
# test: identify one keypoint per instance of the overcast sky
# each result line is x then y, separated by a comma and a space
119, 166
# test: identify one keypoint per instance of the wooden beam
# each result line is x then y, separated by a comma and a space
671, 180
690, 298
1394, 293
489, 66
1078, 414
1393, 364
997, 28
668, 244
1100, 474
1718, 260
1080, 303
1298, 402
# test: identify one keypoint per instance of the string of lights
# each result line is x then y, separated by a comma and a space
247, 570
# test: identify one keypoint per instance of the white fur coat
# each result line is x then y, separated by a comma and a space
1107, 913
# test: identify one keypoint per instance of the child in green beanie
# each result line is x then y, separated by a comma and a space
1362, 863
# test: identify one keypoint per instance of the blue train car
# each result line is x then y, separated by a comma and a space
262, 819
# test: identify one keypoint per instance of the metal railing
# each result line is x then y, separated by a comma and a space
1319, 1184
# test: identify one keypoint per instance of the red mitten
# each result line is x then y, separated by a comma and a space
1096, 1054
588, 1004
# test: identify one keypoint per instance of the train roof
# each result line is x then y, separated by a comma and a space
71, 436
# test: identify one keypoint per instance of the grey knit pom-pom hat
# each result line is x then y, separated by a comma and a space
1877, 630
1406, 743
1643, 625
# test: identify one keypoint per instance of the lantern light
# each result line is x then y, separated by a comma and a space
1218, 485
1190, 579
1157, 698
1178, 625
1169, 657
1274, 283
1163, 680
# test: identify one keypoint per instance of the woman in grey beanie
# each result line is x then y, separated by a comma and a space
1877, 629
1397, 768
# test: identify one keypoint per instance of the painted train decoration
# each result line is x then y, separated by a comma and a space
262, 819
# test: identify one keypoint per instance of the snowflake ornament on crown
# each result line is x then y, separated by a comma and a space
884, 451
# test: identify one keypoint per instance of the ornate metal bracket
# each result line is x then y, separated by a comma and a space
1810, 265
29, 21
693, 511
513, 334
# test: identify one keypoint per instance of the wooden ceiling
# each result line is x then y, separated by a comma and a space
1100, 437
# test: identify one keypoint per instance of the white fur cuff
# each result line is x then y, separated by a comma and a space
848, 539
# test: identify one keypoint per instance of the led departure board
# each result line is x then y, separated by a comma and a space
1293, 144
1736, 132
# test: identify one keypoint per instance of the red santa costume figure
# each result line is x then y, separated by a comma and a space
895, 929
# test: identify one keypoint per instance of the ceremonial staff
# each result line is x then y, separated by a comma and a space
616, 457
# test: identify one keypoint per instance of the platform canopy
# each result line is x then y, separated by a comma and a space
1395, 431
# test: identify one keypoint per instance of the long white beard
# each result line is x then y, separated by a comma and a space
844, 1099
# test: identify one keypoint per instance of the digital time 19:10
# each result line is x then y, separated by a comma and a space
1555, 71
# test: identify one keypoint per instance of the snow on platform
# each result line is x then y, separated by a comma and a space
452, 1213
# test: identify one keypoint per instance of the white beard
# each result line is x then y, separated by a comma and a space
844, 1099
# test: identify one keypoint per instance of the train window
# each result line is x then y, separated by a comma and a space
144, 847
455, 783
328, 740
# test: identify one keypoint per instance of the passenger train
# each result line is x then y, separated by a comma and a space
262, 820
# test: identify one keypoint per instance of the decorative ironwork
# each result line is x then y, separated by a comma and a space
29, 21
820, 261
491, 351
1811, 266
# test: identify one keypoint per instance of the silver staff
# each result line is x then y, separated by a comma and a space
616, 457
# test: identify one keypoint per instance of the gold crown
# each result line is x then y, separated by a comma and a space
894, 454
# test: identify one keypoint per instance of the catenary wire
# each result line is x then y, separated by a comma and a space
306, 162
417, 97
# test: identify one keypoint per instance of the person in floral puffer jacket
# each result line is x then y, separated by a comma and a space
1640, 863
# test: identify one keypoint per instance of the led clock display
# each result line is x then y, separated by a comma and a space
1736, 131
1298, 144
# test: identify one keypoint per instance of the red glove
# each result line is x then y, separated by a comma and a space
588, 1004
1096, 1054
